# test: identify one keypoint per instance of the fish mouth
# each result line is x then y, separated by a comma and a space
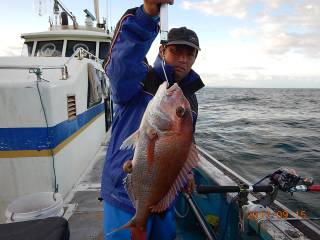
172, 89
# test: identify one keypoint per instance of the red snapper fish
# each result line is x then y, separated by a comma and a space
163, 157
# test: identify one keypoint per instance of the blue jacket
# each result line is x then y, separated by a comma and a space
133, 84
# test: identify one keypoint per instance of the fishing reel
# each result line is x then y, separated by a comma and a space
287, 180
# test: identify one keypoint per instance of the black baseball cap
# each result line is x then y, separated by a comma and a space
183, 36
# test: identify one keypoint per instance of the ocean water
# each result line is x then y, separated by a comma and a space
256, 131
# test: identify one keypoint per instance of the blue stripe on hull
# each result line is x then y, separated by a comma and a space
19, 139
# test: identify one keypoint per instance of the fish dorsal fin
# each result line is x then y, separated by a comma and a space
180, 181
131, 141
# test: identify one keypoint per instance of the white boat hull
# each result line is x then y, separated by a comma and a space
40, 142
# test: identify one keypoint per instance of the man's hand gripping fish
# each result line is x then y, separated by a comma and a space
163, 157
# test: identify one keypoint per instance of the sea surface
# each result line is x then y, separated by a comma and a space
256, 131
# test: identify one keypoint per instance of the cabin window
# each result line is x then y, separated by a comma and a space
49, 48
72, 46
97, 86
27, 49
103, 49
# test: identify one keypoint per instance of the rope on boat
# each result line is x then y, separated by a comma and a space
38, 73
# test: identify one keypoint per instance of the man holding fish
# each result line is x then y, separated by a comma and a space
151, 151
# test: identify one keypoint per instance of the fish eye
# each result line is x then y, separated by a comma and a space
180, 111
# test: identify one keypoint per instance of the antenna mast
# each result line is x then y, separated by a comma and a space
40, 7
109, 23
97, 11
58, 4
107, 16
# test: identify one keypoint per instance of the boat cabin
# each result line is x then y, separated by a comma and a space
65, 42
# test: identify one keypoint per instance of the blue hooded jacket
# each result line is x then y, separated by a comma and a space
129, 74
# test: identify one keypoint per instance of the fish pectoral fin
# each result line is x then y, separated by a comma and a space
131, 141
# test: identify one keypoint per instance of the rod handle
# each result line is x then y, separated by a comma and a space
314, 188
205, 189
164, 25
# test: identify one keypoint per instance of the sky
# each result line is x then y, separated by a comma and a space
244, 43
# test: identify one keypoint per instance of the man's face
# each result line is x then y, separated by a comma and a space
181, 57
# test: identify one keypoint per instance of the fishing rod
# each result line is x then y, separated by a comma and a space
164, 26
206, 189
285, 180
164, 30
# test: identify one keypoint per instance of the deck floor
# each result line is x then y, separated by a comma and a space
84, 210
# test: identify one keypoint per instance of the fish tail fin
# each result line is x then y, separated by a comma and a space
136, 233
128, 225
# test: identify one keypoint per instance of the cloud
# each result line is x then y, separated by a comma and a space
276, 3
265, 81
253, 68
295, 29
282, 43
246, 65
234, 8
282, 26
225, 58
10, 51
242, 32
10, 45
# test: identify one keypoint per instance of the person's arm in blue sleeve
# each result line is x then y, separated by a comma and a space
126, 68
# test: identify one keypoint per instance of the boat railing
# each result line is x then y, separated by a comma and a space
39, 69
80, 53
